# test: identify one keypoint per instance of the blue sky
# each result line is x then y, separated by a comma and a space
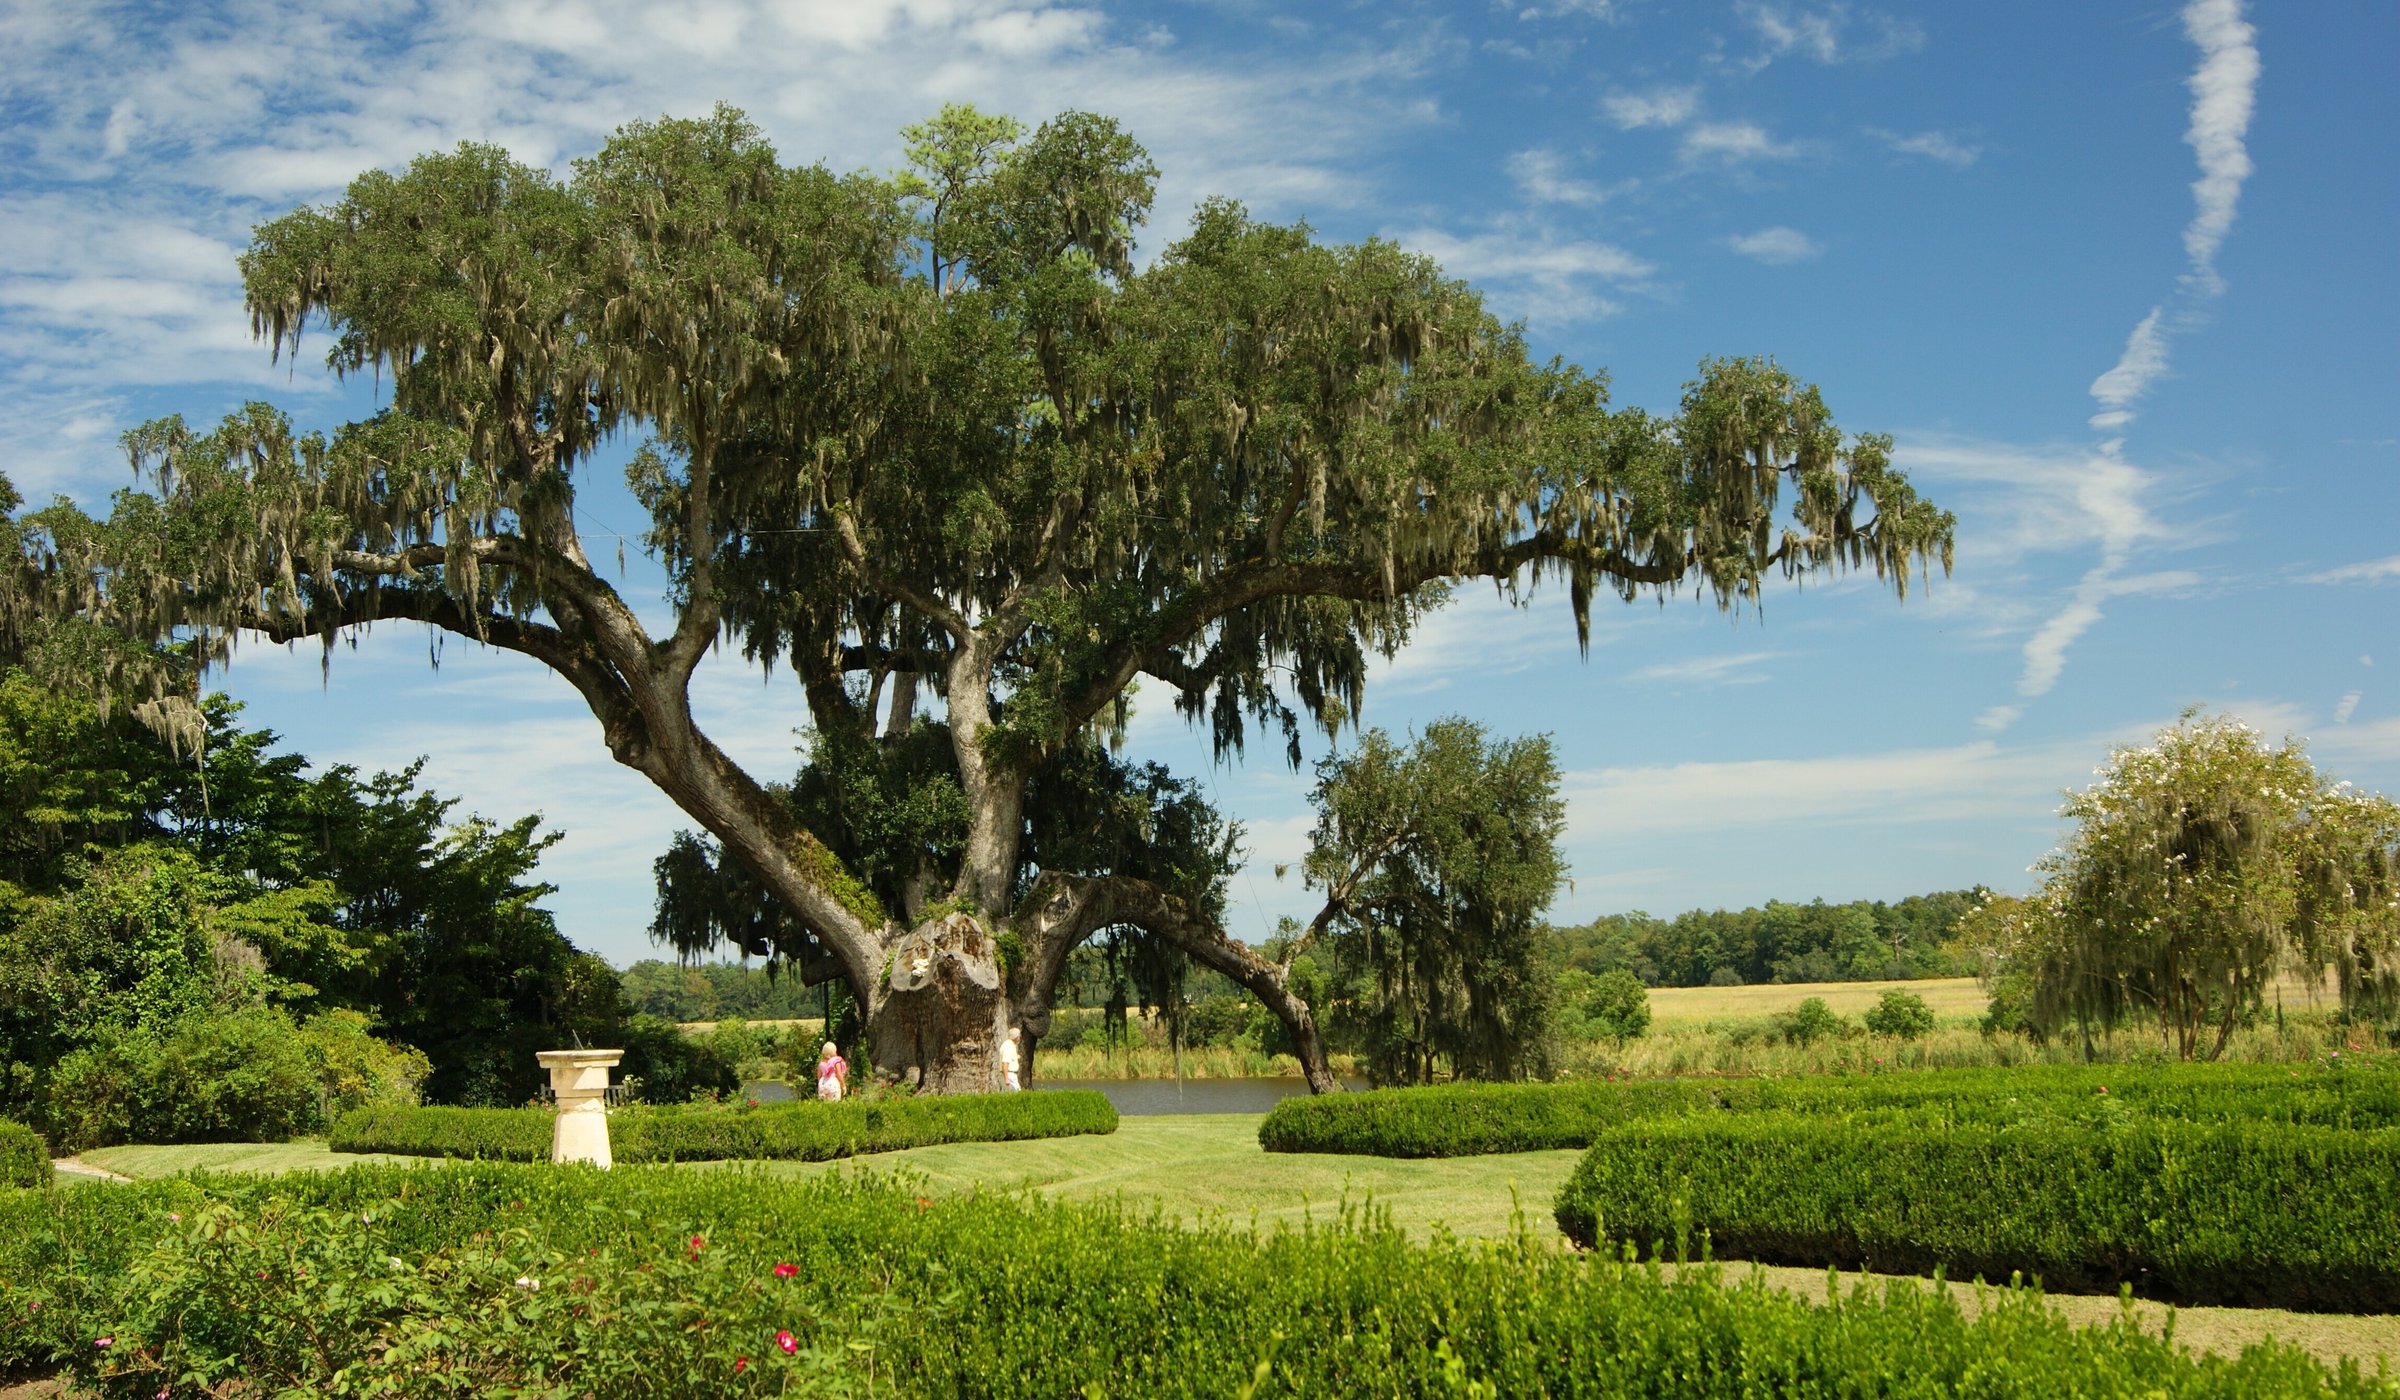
2123, 280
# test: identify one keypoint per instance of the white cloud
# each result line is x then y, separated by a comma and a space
241, 110
2371, 571
1479, 637
2026, 500
2223, 89
1830, 34
2046, 649
2144, 360
2223, 93
1741, 669
1734, 142
1535, 275
1657, 107
2347, 707
1776, 246
2356, 744
1933, 145
1542, 176
1556, 9
1998, 718
2020, 502
1979, 780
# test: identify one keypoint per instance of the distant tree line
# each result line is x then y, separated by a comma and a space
717, 991
1860, 941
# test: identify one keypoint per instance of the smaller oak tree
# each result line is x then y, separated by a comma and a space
1437, 860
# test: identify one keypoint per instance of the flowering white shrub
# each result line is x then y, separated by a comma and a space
2206, 864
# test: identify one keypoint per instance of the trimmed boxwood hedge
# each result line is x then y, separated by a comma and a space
1456, 1120
806, 1131
2240, 1213
24, 1161
495, 1277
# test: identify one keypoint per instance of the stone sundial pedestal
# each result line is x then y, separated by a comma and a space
579, 1081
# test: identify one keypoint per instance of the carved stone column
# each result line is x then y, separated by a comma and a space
579, 1079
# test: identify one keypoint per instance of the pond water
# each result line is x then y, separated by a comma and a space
1136, 1098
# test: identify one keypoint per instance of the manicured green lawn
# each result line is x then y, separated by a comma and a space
1189, 1167
1198, 1166
269, 1158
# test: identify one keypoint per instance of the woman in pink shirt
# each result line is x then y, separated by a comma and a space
832, 1070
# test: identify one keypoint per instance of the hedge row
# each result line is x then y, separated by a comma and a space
494, 1277
2239, 1213
806, 1131
24, 1161
1456, 1120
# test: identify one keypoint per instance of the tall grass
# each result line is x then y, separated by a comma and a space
1159, 1062
1753, 1047
1746, 1046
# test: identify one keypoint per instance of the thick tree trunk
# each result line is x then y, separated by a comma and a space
944, 1003
940, 1010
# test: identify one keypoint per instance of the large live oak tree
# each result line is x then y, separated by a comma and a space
928, 436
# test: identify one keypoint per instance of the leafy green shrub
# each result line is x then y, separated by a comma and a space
489, 1134
242, 1074
1617, 1007
1900, 1015
23, 1159
226, 1074
666, 1066
1452, 1120
2238, 1213
804, 1131
1810, 1022
100, 1093
1217, 1020
486, 1278
355, 1069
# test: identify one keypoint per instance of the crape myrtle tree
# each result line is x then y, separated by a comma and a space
2204, 865
930, 437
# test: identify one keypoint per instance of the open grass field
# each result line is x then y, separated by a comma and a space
1950, 997
1196, 1167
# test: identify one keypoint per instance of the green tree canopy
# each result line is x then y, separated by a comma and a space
128, 874
1437, 859
2204, 865
931, 432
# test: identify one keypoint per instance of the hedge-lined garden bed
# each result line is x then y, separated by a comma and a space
806, 1131
491, 1277
1456, 1120
2239, 1213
